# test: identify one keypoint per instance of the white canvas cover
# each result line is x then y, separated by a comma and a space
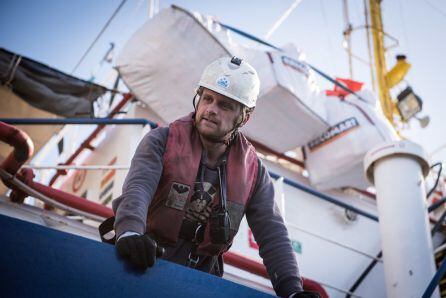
334, 159
162, 63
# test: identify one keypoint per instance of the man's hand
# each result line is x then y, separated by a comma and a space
140, 251
305, 294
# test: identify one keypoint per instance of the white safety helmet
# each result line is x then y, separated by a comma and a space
233, 78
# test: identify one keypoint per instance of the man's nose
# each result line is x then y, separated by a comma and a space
212, 108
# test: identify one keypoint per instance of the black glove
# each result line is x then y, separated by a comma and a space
140, 251
306, 294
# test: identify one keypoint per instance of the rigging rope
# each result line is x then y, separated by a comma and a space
334, 242
325, 76
436, 8
99, 35
282, 18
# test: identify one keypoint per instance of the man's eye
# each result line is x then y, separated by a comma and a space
227, 107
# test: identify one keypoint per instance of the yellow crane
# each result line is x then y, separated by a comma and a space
385, 79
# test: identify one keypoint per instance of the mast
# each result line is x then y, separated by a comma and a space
347, 37
380, 59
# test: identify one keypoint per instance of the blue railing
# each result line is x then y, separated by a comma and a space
37, 261
324, 197
141, 121
78, 121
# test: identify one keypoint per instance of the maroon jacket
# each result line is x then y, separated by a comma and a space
181, 162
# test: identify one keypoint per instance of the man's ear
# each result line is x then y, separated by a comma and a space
246, 118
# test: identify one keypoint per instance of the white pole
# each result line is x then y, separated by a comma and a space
398, 169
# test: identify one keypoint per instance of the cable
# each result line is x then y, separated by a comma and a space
363, 275
99, 35
376, 259
436, 9
403, 24
282, 18
330, 42
438, 178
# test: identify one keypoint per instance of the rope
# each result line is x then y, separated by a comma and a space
33, 193
325, 76
282, 18
335, 243
14, 69
99, 35
435, 8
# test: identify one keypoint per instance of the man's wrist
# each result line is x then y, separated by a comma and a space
127, 234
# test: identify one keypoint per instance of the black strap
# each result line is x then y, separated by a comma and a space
106, 227
222, 180
194, 258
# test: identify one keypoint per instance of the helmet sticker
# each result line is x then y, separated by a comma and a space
223, 82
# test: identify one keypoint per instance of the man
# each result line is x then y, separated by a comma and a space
191, 183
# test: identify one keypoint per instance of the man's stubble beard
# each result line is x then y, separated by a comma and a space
215, 137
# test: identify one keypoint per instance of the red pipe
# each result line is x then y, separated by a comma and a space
23, 147
252, 266
266, 149
71, 200
23, 150
86, 144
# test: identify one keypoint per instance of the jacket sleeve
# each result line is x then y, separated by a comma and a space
141, 183
271, 235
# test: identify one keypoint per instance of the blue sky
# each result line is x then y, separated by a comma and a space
57, 33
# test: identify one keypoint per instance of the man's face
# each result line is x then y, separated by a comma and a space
216, 115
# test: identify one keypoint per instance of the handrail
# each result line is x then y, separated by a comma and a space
436, 205
78, 121
435, 280
84, 207
59, 199
73, 203
323, 196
